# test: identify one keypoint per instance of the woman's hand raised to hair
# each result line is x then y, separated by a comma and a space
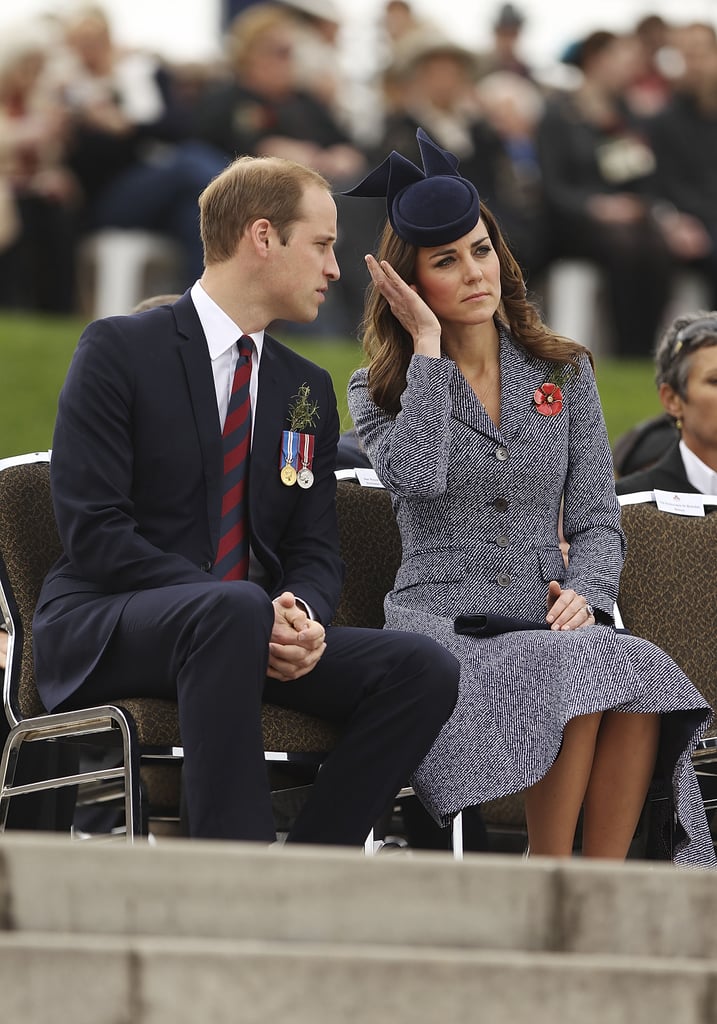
408, 307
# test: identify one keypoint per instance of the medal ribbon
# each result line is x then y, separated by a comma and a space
288, 453
306, 442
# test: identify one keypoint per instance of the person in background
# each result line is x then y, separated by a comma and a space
683, 136
38, 192
317, 55
598, 173
483, 424
437, 89
652, 85
193, 482
504, 54
513, 106
261, 110
129, 144
686, 375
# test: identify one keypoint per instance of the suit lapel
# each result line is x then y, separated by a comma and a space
200, 383
519, 378
267, 425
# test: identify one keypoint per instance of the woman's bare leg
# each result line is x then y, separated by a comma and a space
623, 764
552, 806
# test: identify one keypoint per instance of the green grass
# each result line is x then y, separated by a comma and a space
35, 353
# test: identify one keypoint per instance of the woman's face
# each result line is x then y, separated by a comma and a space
460, 281
698, 410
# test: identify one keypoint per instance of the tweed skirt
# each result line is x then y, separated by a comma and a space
519, 690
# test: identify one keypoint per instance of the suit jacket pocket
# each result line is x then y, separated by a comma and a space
552, 565
445, 565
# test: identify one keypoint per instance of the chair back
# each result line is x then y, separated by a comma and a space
29, 545
668, 588
371, 550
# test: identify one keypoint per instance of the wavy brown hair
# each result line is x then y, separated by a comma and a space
389, 347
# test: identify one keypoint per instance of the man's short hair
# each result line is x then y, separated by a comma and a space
249, 189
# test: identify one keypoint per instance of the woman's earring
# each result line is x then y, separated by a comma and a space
678, 423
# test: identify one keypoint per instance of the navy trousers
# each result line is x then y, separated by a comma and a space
207, 647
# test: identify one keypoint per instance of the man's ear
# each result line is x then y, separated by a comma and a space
261, 234
671, 400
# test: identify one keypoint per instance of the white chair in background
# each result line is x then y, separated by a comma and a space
126, 265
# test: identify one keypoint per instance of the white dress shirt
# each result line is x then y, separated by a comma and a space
697, 472
222, 335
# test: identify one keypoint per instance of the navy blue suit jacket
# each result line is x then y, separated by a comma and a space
136, 476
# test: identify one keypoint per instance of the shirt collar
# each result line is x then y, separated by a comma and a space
219, 329
697, 472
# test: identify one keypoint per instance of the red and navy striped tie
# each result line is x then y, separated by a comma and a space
232, 561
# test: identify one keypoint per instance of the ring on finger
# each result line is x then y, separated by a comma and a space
589, 609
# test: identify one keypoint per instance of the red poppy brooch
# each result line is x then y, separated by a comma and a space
548, 399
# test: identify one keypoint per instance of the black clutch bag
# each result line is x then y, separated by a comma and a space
494, 625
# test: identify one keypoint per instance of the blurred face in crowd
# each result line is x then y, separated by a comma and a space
263, 52
442, 79
89, 36
617, 64
698, 48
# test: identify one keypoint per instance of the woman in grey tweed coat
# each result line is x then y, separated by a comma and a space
484, 425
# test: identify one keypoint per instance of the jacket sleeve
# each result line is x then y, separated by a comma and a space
591, 511
91, 473
408, 452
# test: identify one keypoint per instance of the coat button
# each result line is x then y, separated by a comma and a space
502, 541
501, 504
503, 579
206, 566
501, 453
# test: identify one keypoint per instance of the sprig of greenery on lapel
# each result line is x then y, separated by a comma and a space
302, 411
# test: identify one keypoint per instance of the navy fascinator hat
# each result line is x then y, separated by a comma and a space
426, 207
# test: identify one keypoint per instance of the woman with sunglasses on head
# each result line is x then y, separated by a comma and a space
686, 374
483, 424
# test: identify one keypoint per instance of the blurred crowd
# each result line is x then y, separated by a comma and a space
613, 165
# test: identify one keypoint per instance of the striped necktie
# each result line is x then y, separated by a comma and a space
232, 561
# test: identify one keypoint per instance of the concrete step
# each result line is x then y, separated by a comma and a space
155, 980
230, 891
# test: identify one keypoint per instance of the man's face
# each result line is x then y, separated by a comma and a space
302, 268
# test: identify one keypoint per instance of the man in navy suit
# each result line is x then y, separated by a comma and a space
133, 607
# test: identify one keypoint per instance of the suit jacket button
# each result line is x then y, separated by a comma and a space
501, 453
206, 566
501, 504
503, 579
502, 541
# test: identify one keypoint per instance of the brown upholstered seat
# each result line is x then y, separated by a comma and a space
371, 549
29, 544
668, 594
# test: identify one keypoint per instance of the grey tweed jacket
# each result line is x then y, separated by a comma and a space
478, 509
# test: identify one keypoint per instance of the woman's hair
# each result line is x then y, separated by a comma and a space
248, 189
389, 347
673, 353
